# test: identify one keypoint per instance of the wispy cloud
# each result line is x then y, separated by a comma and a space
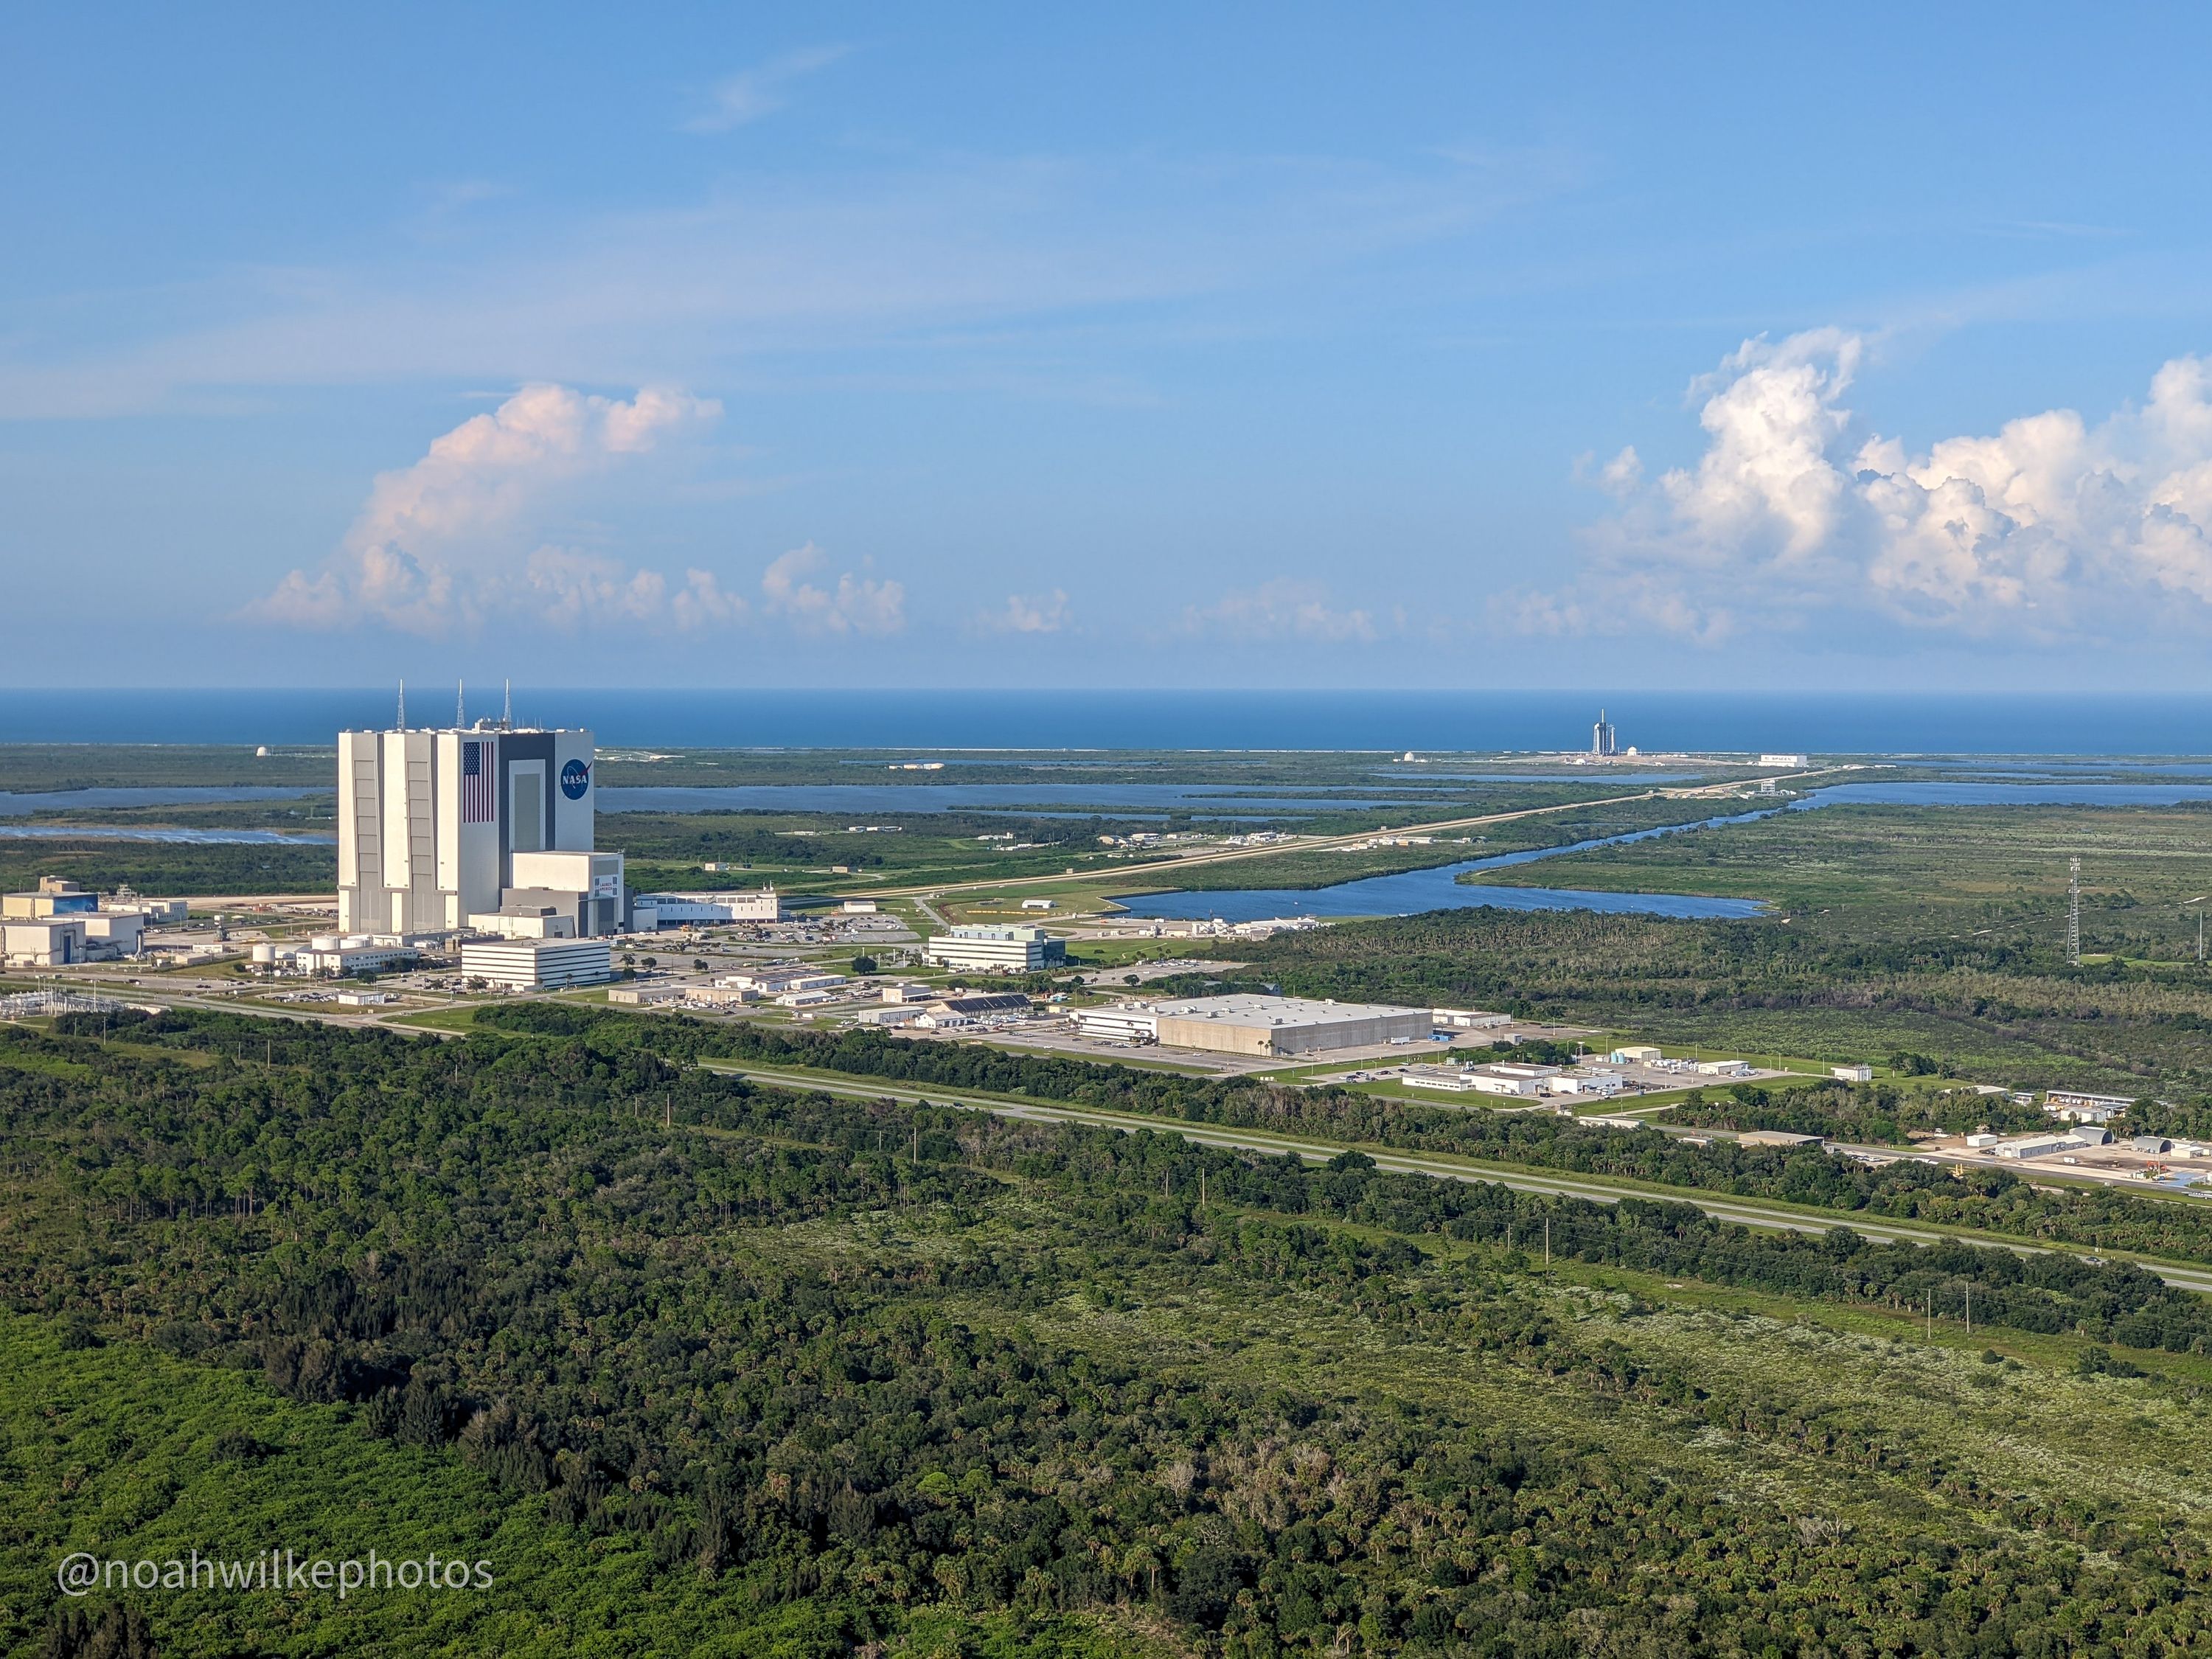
961, 259
762, 90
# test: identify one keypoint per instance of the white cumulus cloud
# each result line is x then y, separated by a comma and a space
855, 605
2051, 525
442, 544
1281, 609
1027, 613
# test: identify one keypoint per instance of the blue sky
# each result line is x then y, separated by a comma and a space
1259, 346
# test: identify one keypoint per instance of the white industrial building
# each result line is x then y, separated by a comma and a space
46, 942
1786, 760
777, 978
1127, 1023
1283, 1026
60, 923
1605, 1084
681, 909
439, 826
1467, 1019
2077, 1107
344, 954
53, 897
1513, 1078
1451, 1080
1005, 949
538, 964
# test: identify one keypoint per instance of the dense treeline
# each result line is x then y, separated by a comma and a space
604, 1279
1993, 1201
170, 868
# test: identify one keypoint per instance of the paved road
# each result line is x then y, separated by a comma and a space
1748, 1213
1150, 872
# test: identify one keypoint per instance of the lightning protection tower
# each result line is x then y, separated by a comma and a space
2074, 913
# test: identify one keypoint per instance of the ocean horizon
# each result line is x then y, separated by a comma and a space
951, 722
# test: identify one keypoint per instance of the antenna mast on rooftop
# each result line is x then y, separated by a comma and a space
2074, 913
506, 709
461, 706
402, 705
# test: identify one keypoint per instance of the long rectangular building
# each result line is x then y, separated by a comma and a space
1283, 1026
537, 964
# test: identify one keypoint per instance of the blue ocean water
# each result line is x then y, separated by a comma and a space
945, 722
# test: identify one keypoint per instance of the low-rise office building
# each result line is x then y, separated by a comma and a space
1000, 949
1522, 1082
1851, 1073
355, 957
535, 964
775, 981
710, 910
1446, 1079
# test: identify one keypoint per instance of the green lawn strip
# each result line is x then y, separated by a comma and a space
1271, 1140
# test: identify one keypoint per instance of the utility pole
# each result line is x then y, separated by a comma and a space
2074, 913
1970, 1307
1547, 1240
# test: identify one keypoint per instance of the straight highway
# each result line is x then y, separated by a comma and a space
1437, 1166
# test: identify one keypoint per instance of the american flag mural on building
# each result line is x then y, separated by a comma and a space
477, 798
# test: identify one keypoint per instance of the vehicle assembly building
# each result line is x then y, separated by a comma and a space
441, 830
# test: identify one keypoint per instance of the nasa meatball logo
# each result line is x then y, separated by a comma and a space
575, 778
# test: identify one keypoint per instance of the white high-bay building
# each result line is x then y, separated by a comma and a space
437, 827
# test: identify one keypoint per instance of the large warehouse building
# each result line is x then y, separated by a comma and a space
1283, 1026
437, 828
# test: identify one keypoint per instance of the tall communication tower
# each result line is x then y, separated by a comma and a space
2074, 913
